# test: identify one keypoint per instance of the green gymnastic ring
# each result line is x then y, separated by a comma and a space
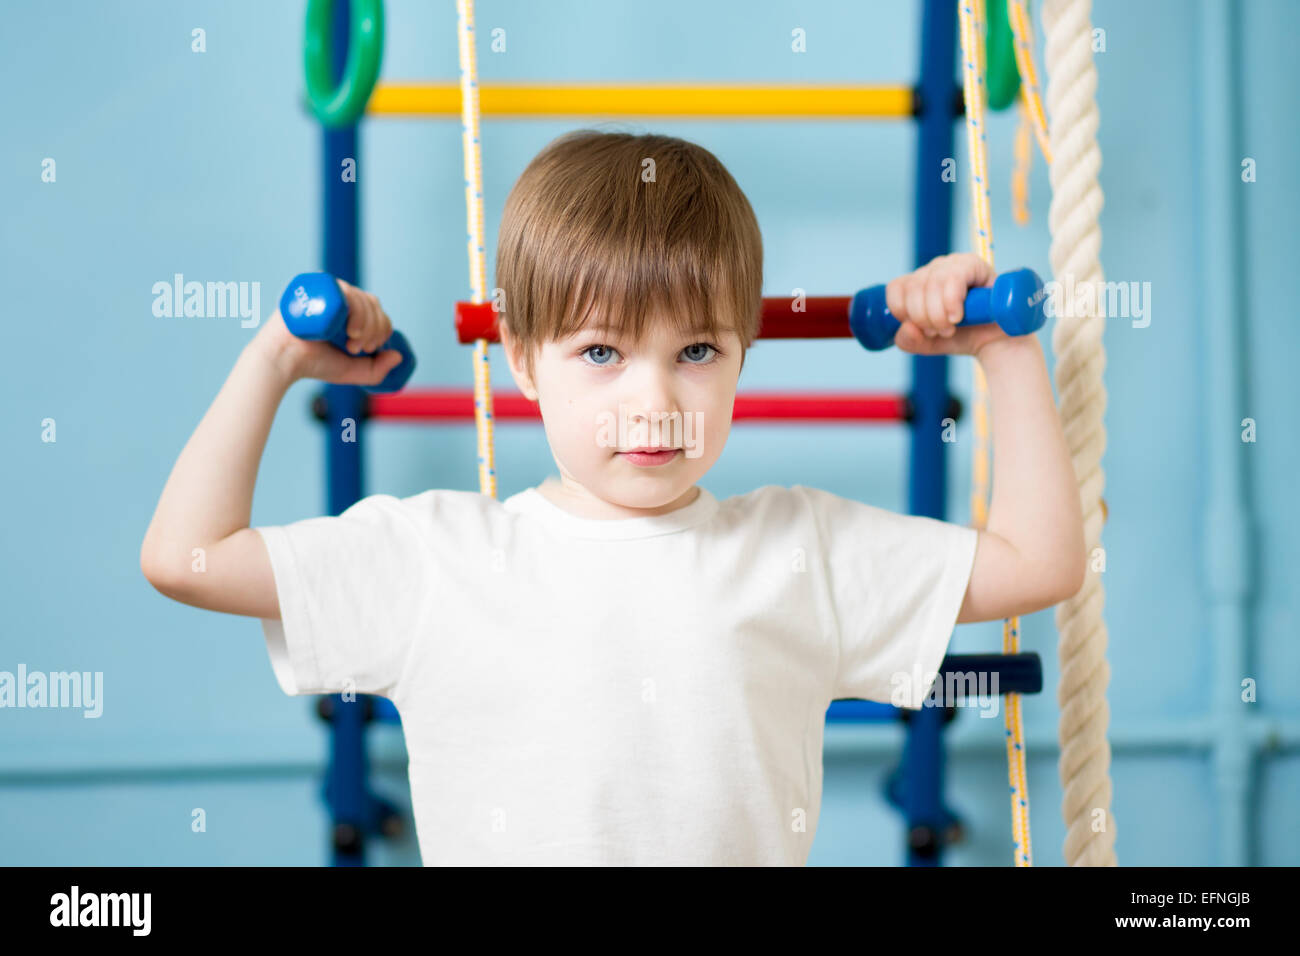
344, 104
1002, 74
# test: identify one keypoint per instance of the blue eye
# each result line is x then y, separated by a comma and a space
598, 348
606, 357
706, 358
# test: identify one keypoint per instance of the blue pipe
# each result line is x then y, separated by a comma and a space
1229, 535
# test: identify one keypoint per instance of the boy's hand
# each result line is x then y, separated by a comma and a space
929, 304
368, 329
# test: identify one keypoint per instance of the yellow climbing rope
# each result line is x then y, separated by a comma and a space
972, 45
1030, 93
469, 122
1030, 111
1024, 160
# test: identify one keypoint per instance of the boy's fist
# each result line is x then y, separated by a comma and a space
929, 305
368, 329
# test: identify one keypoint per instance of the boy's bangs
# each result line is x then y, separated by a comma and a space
618, 300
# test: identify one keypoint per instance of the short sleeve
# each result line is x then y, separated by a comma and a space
352, 591
896, 584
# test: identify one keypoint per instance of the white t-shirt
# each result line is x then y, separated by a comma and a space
649, 690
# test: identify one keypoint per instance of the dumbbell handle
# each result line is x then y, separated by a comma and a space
1015, 303
313, 308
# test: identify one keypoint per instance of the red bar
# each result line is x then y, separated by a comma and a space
824, 317
457, 405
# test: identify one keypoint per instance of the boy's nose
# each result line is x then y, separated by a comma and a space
650, 414
650, 394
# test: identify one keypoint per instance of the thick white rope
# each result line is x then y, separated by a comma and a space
1080, 362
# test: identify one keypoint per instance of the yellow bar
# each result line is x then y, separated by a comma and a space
802, 101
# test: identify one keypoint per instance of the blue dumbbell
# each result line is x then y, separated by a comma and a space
313, 308
1015, 303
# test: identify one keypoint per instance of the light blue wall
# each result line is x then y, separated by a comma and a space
170, 161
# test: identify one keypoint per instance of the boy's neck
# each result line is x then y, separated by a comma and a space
581, 503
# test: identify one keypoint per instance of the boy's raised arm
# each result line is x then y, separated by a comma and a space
199, 549
1030, 555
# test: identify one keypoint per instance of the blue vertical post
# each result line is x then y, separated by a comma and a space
923, 753
345, 787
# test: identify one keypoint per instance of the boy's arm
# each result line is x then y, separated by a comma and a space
1030, 555
208, 497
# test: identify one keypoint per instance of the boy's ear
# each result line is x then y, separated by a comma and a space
514, 359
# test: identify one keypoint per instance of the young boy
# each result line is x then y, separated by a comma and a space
615, 667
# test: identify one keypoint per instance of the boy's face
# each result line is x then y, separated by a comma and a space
603, 396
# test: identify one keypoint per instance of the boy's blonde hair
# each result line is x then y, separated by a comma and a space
602, 228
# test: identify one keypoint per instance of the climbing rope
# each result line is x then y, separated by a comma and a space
470, 146
1069, 145
972, 31
1080, 362
1024, 160
1030, 95
1030, 112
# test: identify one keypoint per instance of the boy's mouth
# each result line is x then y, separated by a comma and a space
650, 456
